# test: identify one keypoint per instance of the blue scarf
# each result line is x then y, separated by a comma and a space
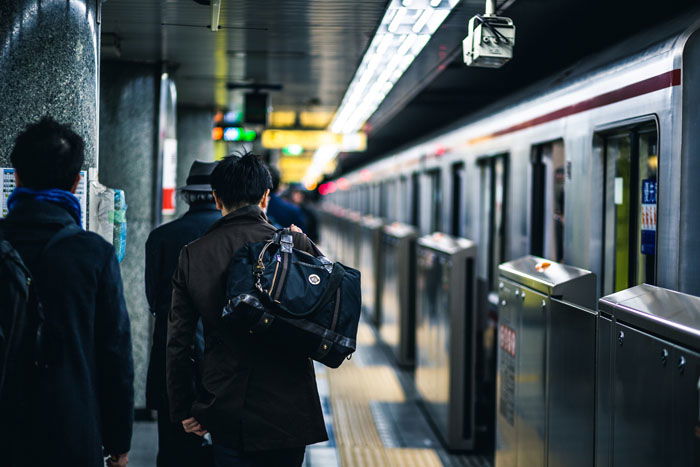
63, 198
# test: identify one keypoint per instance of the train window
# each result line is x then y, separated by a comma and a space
457, 228
415, 200
631, 174
493, 175
435, 201
547, 221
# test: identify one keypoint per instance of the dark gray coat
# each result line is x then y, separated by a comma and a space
162, 253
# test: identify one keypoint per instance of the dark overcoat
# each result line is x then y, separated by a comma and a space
162, 253
257, 397
86, 400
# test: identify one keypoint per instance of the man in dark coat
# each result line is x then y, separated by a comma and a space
282, 211
80, 406
175, 447
260, 403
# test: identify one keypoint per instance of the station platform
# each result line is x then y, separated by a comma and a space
373, 416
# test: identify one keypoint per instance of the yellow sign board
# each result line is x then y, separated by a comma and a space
293, 168
277, 139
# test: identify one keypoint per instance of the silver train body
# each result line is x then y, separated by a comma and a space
580, 169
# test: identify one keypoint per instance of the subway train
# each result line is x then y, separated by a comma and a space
596, 168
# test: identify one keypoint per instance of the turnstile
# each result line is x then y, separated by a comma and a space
445, 336
648, 410
398, 320
545, 383
370, 264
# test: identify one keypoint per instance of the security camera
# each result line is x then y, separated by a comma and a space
490, 41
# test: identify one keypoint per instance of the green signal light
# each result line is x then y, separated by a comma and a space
292, 150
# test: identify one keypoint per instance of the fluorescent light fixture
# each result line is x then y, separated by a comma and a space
406, 28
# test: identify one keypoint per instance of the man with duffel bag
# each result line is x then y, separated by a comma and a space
261, 405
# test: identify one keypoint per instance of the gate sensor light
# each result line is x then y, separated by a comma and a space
490, 41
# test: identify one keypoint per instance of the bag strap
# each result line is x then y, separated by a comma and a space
334, 281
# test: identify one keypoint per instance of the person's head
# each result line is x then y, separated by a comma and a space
48, 155
275, 176
240, 181
198, 185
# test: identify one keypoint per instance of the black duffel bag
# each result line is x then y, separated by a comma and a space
305, 303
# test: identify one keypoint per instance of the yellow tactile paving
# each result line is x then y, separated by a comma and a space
352, 388
354, 425
363, 384
358, 456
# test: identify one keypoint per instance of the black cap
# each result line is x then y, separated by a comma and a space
199, 178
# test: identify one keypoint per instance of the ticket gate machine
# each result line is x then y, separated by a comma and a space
545, 382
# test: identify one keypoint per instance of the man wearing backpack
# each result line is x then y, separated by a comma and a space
66, 391
261, 404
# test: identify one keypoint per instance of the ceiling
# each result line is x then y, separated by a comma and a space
310, 47
313, 48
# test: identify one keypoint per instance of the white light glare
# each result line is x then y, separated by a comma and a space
406, 28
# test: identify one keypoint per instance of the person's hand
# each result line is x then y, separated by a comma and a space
118, 460
294, 228
191, 425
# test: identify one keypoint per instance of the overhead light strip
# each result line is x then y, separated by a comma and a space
406, 28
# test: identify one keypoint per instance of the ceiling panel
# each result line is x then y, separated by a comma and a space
310, 47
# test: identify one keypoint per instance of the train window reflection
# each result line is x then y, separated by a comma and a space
631, 174
492, 216
547, 221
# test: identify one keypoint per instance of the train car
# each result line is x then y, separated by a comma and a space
597, 167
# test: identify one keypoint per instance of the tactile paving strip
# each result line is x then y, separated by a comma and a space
392, 457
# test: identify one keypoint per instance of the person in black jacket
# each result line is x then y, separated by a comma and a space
175, 447
80, 407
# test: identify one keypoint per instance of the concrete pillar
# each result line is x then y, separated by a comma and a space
135, 100
194, 125
49, 52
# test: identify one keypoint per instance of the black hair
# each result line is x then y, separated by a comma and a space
48, 155
275, 174
196, 197
240, 181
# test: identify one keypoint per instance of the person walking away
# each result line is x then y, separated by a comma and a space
175, 447
260, 403
282, 211
73, 399
300, 197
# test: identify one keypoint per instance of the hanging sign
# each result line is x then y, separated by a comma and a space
648, 239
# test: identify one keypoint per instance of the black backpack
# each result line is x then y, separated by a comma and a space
28, 342
305, 303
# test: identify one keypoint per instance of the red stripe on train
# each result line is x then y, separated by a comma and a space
655, 83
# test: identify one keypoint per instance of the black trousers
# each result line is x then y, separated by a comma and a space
179, 449
225, 457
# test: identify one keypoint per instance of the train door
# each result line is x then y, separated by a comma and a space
493, 177
547, 209
630, 200
457, 206
415, 200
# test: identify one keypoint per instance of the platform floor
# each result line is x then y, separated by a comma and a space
373, 416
